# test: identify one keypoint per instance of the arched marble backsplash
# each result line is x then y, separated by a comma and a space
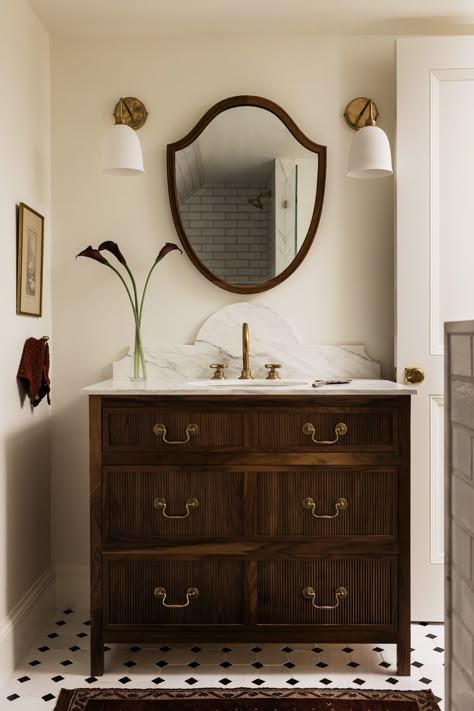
272, 340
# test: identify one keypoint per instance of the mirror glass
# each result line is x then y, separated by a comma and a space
246, 190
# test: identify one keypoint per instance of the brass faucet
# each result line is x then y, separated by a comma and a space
246, 372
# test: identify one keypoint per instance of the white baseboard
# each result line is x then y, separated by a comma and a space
72, 587
20, 627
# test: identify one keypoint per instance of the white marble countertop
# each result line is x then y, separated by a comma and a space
154, 386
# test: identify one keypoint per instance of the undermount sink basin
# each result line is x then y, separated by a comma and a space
255, 383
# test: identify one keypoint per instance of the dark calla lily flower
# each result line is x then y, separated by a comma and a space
93, 254
113, 248
168, 247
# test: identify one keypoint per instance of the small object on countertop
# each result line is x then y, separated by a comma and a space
33, 370
320, 383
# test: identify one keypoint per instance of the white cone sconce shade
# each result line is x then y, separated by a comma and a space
121, 151
370, 155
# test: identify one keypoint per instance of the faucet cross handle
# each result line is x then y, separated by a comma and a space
219, 368
273, 374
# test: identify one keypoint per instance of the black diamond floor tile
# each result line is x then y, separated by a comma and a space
347, 650
66, 663
358, 681
130, 664
225, 681
418, 665
321, 665
68, 612
196, 649
289, 665
424, 680
90, 679
43, 649
226, 650
191, 681
167, 649
391, 680
377, 649
60, 623
57, 678
13, 697
157, 680
125, 680
74, 648
22, 679
286, 649
48, 697
34, 663
162, 664
81, 635
385, 665
226, 664
53, 635
137, 649
354, 665
431, 636
256, 650
292, 681
438, 649
258, 682
326, 681
317, 650
195, 665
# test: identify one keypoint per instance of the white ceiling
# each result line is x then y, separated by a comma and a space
120, 18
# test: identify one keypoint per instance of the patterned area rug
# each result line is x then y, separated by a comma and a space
244, 700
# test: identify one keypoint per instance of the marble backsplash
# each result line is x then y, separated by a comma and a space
272, 340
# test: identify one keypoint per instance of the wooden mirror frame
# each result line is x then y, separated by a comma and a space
280, 113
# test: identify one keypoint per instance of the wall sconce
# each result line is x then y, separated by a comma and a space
370, 155
122, 152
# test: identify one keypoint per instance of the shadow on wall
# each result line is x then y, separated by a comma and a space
27, 517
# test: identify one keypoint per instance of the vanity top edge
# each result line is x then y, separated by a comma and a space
154, 386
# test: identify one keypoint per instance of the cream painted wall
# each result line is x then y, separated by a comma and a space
25, 435
343, 291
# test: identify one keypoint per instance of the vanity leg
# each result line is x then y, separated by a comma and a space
403, 658
97, 644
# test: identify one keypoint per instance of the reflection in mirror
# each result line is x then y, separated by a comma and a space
246, 194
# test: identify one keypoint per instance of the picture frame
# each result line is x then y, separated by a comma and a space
29, 284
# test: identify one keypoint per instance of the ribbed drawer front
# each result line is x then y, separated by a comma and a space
374, 429
370, 498
131, 508
371, 586
136, 429
130, 586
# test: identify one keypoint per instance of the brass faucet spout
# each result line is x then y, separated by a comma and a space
246, 373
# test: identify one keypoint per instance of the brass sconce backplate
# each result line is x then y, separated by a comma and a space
131, 112
357, 112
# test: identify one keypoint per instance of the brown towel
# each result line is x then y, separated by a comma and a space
34, 370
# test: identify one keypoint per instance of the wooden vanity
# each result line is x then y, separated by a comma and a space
227, 518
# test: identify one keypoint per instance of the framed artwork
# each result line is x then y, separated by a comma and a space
29, 282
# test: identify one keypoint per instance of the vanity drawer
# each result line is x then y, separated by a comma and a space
370, 584
296, 430
345, 502
140, 504
131, 595
183, 429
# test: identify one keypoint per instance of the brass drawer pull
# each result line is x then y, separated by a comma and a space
160, 504
340, 430
310, 504
160, 430
309, 594
161, 593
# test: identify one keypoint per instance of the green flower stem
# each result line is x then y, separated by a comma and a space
138, 355
134, 307
135, 293
140, 311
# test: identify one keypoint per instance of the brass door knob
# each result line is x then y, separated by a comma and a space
414, 375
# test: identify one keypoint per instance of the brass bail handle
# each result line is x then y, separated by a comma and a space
160, 504
309, 594
310, 504
161, 593
414, 375
160, 431
340, 430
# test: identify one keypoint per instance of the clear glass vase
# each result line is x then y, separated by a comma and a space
138, 367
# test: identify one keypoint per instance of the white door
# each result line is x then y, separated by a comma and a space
435, 268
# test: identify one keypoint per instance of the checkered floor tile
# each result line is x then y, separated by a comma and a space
60, 659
